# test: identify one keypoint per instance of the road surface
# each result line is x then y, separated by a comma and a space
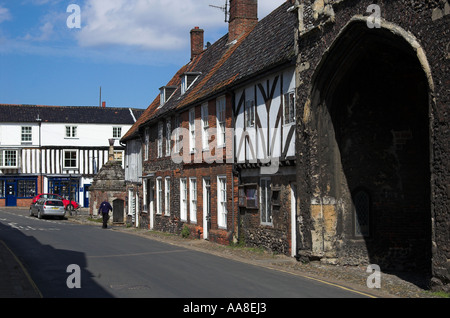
67, 260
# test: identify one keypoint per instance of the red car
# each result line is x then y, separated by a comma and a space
68, 205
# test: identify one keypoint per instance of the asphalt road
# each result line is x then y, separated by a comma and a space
112, 264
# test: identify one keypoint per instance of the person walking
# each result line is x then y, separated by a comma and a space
104, 209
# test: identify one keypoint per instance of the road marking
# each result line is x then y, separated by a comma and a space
137, 254
325, 282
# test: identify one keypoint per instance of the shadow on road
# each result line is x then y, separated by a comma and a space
48, 267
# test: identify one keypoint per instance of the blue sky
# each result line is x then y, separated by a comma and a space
128, 47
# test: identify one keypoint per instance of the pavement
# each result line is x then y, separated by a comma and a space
15, 282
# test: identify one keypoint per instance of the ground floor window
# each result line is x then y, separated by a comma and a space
193, 199
183, 199
222, 202
26, 188
159, 196
265, 201
167, 196
2, 188
65, 187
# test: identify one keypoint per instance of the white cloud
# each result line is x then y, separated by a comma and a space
152, 24
5, 15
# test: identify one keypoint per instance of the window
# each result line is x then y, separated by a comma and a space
167, 195
9, 159
183, 196
27, 134
168, 137
205, 126
166, 93
2, 188
192, 129
71, 131
160, 139
220, 114
117, 132
159, 196
249, 113
118, 156
361, 201
222, 202
177, 134
26, 188
70, 159
289, 108
193, 199
187, 79
265, 201
147, 143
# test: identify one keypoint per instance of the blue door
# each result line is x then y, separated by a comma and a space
86, 195
11, 193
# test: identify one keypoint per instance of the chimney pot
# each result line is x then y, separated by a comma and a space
104, 104
197, 41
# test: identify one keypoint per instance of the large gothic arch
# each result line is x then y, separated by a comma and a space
372, 106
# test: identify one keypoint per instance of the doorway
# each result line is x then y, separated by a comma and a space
371, 97
118, 211
11, 193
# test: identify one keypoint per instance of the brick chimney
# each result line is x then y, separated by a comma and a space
243, 17
197, 39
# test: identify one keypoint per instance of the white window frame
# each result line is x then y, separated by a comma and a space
5, 154
205, 127
249, 113
159, 195
160, 139
265, 202
183, 199
222, 202
177, 135
193, 200
167, 196
192, 130
289, 111
117, 132
147, 143
64, 159
220, 118
26, 134
71, 132
168, 136
185, 85
118, 156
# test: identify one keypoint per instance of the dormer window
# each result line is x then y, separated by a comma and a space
187, 79
165, 93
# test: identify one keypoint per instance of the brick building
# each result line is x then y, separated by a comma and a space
361, 162
192, 176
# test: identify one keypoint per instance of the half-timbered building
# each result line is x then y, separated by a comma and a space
218, 141
56, 149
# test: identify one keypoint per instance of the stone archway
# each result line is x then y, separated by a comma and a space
372, 195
